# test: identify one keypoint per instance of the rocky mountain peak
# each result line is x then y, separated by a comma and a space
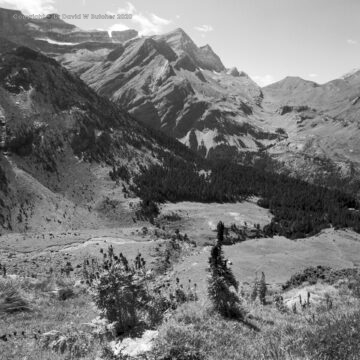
179, 40
292, 82
233, 71
203, 57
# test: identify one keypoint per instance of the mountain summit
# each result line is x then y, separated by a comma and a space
203, 57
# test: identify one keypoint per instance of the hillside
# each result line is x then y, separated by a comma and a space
63, 140
321, 124
172, 85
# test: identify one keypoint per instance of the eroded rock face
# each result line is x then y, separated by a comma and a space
122, 36
169, 83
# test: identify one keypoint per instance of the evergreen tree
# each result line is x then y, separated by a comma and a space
221, 281
262, 289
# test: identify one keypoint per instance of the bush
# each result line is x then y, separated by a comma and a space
10, 299
121, 296
148, 210
120, 172
127, 295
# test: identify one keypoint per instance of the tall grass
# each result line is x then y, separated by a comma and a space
315, 333
10, 299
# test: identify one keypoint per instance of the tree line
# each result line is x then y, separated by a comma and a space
299, 209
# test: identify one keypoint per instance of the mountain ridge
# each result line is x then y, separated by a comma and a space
163, 81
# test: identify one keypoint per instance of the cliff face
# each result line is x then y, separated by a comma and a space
203, 57
11, 22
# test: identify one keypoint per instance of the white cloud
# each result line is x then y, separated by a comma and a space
148, 24
204, 28
264, 80
178, 16
351, 42
117, 27
29, 7
159, 21
313, 75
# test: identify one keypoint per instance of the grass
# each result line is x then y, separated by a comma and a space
46, 312
316, 333
192, 331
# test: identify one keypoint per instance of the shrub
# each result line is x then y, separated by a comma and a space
121, 296
10, 299
259, 289
120, 172
280, 131
127, 295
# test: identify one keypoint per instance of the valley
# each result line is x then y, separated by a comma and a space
156, 204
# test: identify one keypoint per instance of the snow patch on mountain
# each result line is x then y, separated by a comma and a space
50, 41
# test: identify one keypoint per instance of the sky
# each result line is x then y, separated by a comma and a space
318, 40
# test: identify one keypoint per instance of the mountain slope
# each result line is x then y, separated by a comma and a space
321, 123
169, 83
63, 140
165, 81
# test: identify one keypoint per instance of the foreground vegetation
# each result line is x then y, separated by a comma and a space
67, 316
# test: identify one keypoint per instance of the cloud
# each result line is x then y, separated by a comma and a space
117, 27
351, 42
29, 7
159, 21
264, 80
313, 75
149, 24
204, 28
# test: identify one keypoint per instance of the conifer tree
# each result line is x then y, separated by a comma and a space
221, 280
262, 289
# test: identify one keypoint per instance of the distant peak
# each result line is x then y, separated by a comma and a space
294, 78
291, 82
206, 47
297, 80
178, 32
3, 10
234, 72
351, 73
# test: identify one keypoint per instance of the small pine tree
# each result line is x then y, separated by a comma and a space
254, 292
220, 232
224, 300
262, 289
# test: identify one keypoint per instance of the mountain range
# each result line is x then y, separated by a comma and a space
80, 103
